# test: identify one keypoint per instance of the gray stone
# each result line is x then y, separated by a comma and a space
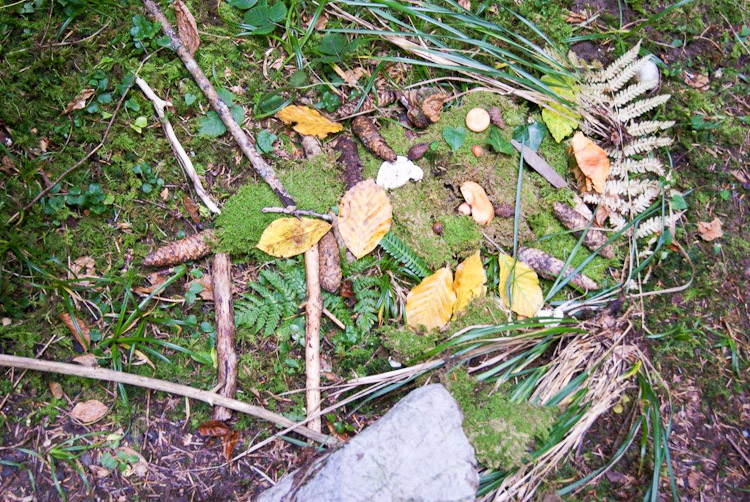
417, 452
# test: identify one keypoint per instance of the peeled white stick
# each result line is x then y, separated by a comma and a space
314, 309
182, 156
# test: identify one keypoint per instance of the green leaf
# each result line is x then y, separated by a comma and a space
298, 79
454, 137
564, 121
264, 141
190, 98
262, 17
132, 104
498, 142
678, 202
138, 124
242, 4
530, 135
336, 44
238, 113
226, 96
211, 125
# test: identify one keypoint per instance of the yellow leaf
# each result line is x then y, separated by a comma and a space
430, 304
592, 160
365, 216
526, 296
309, 121
470, 282
287, 237
560, 120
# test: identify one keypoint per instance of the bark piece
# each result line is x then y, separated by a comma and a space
187, 249
423, 106
350, 158
221, 273
186, 27
330, 263
572, 220
311, 146
313, 311
368, 133
550, 267
540, 165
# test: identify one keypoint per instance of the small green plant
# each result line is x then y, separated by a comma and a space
150, 180
93, 200
120, 461
144, 34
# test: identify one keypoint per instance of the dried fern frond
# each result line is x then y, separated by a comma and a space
645, 145
622, 78
648, 126
620, 63
621, 168
631, 188
655, 225
638, 108
630, 93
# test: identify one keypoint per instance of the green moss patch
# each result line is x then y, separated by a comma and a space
502, 432
315, 184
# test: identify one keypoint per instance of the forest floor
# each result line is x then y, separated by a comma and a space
132, 197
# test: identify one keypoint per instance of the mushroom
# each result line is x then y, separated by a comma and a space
481, 208
477, 119
464, 209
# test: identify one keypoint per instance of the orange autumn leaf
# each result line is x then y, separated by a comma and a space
229, 443
592, 160
214, 428
78, 328
309, 121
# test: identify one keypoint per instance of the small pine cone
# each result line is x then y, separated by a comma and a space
504, 210
330, 263
550, 267
572, 220
187, 249
496, 117
368, 133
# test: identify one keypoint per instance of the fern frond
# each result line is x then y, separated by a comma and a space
651, 226
644, 145
630, 93
611, 71
649, 126
630, 188
618, 81
621, 168
638, 108
617, 221
400, 252
642, 202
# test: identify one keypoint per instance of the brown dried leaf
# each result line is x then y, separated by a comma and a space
592, 160
365, 215
430, 304
696, 80
229, 443
87, 360
78, 328
155, 279
56, 390
89, 411
286, 237
309, 121
79, 102
187, 249
368, 133
187, 27
710, 231
214, 428
207, 293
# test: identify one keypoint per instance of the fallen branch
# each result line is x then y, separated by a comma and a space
221, 275
296, 212
313, 311
260, 166
160, 385
550, 267
179, 152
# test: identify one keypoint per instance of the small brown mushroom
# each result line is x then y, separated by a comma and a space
482, 209
477, 119
477, 150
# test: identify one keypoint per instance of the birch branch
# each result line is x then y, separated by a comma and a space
179, 152
221, 275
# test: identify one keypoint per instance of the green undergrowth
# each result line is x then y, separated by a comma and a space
408, 346
502, 432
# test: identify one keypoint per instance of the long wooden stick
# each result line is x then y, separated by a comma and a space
313, 311
154, 384
179, 152
243, 140
221, 275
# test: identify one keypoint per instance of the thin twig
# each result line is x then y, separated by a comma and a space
163, 386
179, 152
297, 212
313, 311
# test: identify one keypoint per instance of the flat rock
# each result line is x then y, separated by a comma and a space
417, 452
